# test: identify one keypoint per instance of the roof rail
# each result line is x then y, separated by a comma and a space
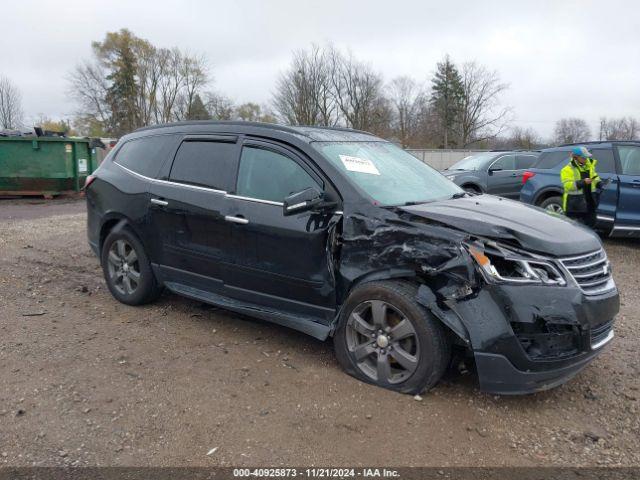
273, 126
596, 142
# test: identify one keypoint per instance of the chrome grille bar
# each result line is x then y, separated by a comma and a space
590, 271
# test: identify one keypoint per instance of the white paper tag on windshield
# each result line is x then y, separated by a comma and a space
357, 164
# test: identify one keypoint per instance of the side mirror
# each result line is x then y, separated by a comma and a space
494, 169
308, 199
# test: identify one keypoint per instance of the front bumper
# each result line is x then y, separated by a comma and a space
497, 375
570, 329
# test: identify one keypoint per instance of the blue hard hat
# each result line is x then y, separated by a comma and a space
581, 152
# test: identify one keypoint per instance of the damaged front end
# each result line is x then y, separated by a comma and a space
528, 318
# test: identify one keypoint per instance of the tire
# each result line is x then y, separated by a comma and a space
553, 204
127, 270
415, 363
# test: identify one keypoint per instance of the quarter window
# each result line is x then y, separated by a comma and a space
145, 155
525, 161
267, 175
204, 164
552, 159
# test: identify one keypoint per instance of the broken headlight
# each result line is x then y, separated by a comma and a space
501, 265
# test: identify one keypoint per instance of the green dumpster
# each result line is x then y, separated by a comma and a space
44, 165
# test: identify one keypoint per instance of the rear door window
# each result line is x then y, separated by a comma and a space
145, 155
207, 164
525, 160
268, 175
606, 163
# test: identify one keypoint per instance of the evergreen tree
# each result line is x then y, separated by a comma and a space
446, 97
197, 110
116, 53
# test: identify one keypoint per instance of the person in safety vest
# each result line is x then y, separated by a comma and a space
580, 181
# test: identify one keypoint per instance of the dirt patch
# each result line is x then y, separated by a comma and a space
89, 381
35, 207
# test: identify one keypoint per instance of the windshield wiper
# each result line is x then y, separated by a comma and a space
459, 195
407, 204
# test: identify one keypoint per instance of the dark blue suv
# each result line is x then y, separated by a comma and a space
619, 208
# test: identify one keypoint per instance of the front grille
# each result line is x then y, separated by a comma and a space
591, 272
600, 332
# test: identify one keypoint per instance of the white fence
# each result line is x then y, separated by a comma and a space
441, 159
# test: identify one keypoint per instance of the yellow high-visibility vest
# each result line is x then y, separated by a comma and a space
572, 173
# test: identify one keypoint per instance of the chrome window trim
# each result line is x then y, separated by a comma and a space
506, 170
196, 187
167, 182
622, 227
257, 200
605, 218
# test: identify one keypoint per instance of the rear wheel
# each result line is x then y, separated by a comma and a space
386, 338
553, 204
127, 270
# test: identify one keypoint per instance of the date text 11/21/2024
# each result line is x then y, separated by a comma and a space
315, 472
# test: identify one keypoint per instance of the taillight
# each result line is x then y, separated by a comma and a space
88, 181
526, 176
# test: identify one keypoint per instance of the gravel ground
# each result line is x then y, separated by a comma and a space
89, 381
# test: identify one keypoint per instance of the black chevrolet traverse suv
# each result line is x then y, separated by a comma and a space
336, 232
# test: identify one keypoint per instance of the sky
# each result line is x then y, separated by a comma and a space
559, 58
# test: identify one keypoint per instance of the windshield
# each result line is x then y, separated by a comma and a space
388, 174
472, 162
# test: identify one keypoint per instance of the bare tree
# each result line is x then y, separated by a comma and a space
252, 112
481, 115
194, 74
219, 106
571, 130
525, 138
407, 100
150, 68
304, 93
357, 90
623, 128
10, 105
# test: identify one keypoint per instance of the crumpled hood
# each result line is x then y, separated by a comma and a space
510, 221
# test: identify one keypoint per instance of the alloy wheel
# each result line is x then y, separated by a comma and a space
123, 267
554, 207
382, 342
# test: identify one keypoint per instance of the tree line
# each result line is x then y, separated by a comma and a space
129, 83
324, 86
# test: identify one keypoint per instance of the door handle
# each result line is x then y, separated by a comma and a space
240, 220
514, 174
157, 201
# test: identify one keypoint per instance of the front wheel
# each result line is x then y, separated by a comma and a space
553, 204
386, 338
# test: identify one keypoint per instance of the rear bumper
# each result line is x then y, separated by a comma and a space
498, 375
